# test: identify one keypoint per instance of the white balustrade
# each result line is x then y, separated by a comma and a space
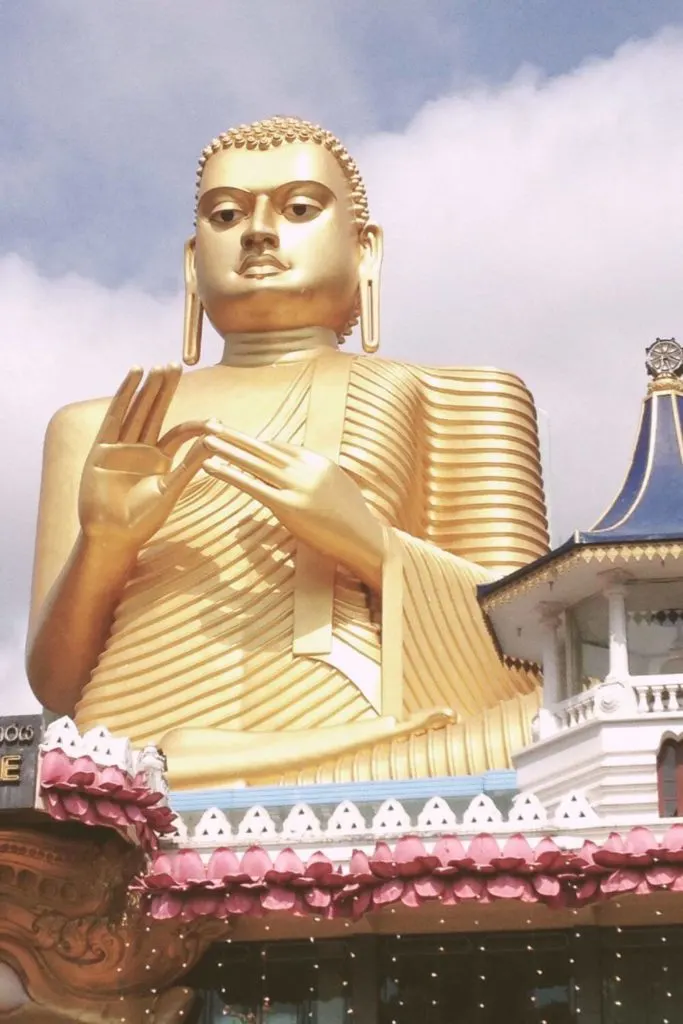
575, 711
653, 695
658, 695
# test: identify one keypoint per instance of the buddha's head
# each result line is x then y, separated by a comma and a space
283, 236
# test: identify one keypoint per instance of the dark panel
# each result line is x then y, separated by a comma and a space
20, 737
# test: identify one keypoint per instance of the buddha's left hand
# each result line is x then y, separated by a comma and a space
316, 500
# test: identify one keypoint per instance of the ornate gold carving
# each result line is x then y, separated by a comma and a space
666, 385
80, 944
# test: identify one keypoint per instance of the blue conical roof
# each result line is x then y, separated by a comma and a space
649, 505
647, 510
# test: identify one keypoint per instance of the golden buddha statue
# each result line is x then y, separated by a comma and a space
282, 585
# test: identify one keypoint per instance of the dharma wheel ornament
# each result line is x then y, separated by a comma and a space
664, 358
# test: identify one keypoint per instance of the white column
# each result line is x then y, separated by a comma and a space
550, 653
615, 592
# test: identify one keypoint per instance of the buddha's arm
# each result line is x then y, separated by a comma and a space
100, 503
71, 628
75, 588
442, 652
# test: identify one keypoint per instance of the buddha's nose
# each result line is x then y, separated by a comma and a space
261, 231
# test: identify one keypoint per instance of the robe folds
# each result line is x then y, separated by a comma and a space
228, 623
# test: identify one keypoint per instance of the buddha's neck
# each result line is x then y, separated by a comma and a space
270, 347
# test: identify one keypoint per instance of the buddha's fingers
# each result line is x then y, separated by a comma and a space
149, 434
118, 407
260, 467
267, 495
265, 449
174, 439
133, 424
174, 483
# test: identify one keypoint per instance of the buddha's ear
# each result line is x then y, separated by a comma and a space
192, 326
372, 248
190, 270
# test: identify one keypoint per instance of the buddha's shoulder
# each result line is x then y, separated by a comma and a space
86, 417
457, 378
487, 379
382, 369
78, 418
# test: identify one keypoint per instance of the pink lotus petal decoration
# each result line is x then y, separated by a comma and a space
382, 862
256, 862
288, 865
179, 883
429, 887
318, 899
406, 873
188, 867
55, 767
224, 864
319, 866
484, 850
449, 850
78, 789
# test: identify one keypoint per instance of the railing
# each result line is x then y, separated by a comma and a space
576, 710
642, 695
658, 697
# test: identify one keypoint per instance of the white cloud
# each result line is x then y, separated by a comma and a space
15, 697
536, 227
97, 92
63, 340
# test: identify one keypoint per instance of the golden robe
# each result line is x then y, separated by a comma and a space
269, 636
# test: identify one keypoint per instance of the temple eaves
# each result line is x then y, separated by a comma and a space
644, 523
649, 506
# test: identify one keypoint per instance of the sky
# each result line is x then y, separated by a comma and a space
524, 158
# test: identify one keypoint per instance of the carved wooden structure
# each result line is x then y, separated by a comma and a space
74, 943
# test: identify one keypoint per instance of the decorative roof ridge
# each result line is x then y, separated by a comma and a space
348, 823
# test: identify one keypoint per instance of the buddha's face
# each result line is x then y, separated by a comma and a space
277, 245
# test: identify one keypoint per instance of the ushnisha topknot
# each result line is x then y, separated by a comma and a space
275, 131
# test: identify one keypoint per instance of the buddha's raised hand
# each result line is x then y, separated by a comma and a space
128, 486
313, 497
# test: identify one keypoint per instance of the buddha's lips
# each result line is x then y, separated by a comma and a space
265, 261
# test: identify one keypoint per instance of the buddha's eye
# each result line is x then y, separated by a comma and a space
300, 209
227, 215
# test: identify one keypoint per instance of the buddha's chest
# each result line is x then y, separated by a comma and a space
257, 401
357, 413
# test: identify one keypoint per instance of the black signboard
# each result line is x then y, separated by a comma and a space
20, 738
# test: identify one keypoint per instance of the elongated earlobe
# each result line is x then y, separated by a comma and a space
369, 275
192, 329
194, 312
369, 316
